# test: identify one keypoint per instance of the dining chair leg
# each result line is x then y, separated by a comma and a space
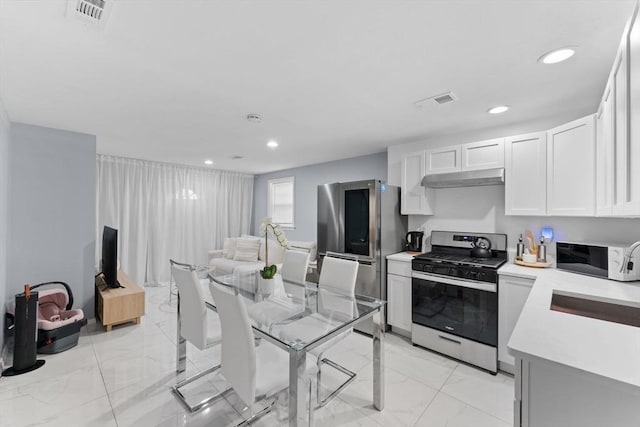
261, 413
322, 401
192, 408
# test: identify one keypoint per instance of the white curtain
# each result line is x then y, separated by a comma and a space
164, 211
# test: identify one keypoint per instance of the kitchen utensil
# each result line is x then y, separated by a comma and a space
481, 248
533, 248
542, 251
519, 248
528, 244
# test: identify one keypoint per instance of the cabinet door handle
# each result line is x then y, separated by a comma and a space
449, 339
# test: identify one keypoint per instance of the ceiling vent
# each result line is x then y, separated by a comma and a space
93, 12
444, 98
237, 157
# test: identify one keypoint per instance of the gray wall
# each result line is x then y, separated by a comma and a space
307, 179
5, 129
52, 211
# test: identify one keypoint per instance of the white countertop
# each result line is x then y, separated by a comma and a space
608, 349
402, 256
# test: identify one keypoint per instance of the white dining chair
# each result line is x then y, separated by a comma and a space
339, 276
198, 325
288, 299
255, 373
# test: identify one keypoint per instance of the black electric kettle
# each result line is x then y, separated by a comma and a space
481, 248
414, 241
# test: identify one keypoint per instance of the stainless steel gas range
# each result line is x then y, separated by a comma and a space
454, 290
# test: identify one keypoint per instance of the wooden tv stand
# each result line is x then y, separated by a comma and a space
119, 305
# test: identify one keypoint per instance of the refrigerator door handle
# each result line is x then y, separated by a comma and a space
350, 257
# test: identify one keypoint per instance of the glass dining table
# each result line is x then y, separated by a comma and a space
274, 309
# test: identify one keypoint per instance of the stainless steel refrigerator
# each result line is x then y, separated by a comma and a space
361, 220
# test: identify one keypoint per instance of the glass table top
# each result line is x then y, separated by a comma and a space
296, 316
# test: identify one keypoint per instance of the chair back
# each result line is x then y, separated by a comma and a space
339, 275
238, 361
193, 311
295, 266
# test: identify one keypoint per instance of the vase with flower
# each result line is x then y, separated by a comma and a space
267, 274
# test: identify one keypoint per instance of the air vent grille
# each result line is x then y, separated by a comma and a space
93, 12
237, 157
91, 8
444, 98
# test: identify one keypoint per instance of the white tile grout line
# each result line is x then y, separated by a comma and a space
104, 384
474, 407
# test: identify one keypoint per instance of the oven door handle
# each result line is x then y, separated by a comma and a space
449, 339
488, 287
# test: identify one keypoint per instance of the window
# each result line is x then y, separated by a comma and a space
280, 201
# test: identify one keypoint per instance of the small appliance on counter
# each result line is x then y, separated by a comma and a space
414, 241
615, 262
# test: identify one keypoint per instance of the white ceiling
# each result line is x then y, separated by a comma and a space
173, 80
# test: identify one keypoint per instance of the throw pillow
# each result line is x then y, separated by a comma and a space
247, 250
229, 247
276, 252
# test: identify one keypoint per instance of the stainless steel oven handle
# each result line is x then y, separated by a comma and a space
450, 339
482, 286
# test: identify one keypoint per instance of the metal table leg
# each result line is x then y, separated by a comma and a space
181, 344
378, 359
298, 388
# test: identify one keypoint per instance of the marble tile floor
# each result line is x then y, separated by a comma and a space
123, 378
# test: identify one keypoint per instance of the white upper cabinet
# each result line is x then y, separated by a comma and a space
442, 160
483, 154
414, 198
526, 174
604, 153
627, 118
571, 168
621, 139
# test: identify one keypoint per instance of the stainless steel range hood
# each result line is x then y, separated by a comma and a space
465, 179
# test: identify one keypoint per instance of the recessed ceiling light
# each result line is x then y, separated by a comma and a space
208, 162
272, 144
498, 110
557, 55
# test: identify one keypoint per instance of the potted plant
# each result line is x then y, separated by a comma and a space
269, 271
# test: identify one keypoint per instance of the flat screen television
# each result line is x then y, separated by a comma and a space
110, 256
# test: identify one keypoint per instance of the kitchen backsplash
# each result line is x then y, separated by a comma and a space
481, 209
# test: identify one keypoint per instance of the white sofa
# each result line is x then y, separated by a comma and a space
226, 261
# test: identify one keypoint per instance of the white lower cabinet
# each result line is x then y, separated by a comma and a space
549, 394
399, 295
571, 168
512, 294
